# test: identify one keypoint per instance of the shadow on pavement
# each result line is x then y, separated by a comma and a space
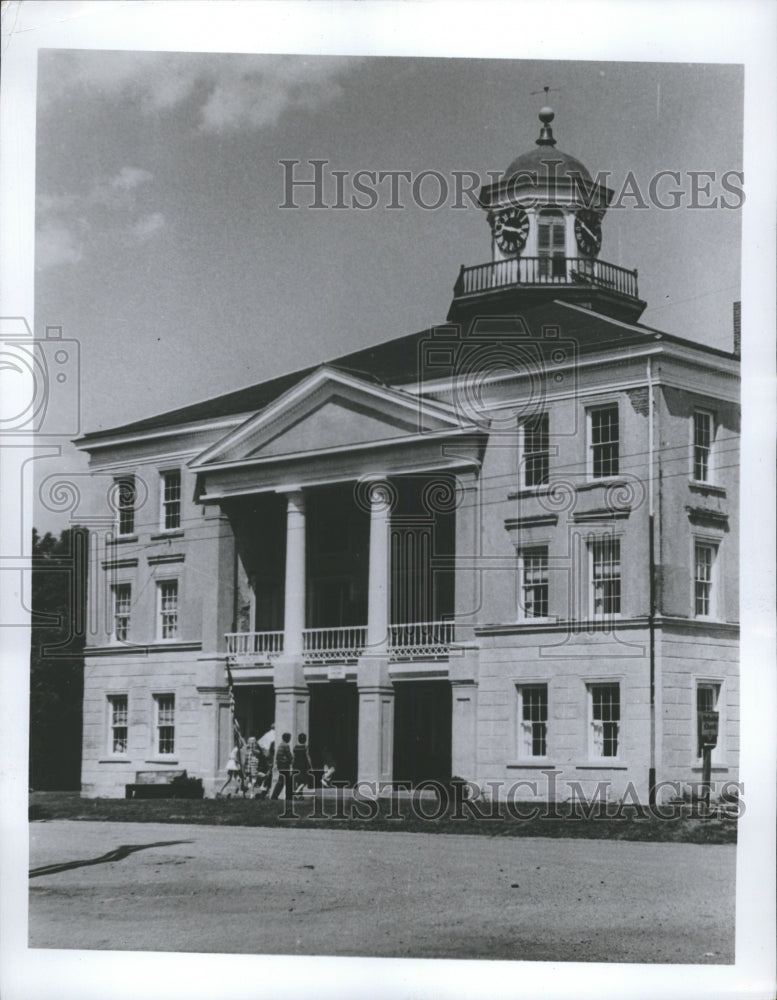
118, 854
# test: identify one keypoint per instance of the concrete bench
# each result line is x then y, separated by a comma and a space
168, 784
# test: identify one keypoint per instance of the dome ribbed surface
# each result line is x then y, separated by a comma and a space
547, 162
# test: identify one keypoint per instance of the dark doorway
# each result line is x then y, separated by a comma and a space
255, 709
334, 727
422, 731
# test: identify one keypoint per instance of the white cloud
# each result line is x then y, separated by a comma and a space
227, 91
54, 245
66, 219
147, 225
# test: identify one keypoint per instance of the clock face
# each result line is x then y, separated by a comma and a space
511, 227
588, 231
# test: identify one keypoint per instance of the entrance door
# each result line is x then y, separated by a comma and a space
334, 727
422, 731
254, 709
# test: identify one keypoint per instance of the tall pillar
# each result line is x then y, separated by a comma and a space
294, 599
292, 697
379, 581
376, 692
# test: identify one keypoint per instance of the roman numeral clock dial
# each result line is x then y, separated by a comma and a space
588, 232
511, 227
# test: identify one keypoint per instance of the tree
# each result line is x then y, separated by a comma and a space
59, 575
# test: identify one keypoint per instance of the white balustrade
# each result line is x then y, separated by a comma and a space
411, 639
256, 647
332, 645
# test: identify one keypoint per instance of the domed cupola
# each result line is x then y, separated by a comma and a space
545, 205
545, 218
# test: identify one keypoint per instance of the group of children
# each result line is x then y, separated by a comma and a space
252, 765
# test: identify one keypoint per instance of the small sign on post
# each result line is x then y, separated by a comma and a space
708, 728
708, 737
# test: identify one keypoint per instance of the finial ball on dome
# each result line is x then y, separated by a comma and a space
547, 115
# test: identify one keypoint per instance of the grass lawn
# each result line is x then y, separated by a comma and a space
406, 813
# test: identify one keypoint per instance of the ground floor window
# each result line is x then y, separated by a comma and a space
533, 720
117, 723
605, 714
165, 723
707, 700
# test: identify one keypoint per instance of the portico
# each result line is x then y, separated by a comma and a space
365, 573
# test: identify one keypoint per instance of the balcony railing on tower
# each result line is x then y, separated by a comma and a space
530, 272
344, 644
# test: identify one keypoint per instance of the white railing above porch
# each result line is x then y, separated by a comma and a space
420, 639
334, 645
345, 643
254, 647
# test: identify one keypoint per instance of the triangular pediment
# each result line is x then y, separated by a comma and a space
329, 411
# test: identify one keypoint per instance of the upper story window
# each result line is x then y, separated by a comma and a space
603, 441
703, 436
704, 596
167, 604
171, 500
535, 450
534, 582
552, 244
605, 577
117, 723
126, 496
122, 601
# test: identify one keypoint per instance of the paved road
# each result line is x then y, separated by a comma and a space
165, 887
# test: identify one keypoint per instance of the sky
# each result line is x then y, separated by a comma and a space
161, 247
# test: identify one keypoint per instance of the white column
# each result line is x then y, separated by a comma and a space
379, 583
294, 603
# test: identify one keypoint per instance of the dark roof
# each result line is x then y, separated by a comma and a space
547, 162
411, 358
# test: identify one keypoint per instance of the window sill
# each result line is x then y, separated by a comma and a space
716, 768
533, 763
610, 764
698, 486
591, 484
121, 539
172, 533
161, 760
114, 760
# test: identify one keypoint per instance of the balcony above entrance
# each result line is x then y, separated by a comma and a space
344, 644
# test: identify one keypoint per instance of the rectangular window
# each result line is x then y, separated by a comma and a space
168, 609
165, 723
533, 720
534, 582
702, 445
703, 566
605, 577
122, 600
605, 719
707, 700
603, 442
126, 504
171, 500
117, 723
536, 450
